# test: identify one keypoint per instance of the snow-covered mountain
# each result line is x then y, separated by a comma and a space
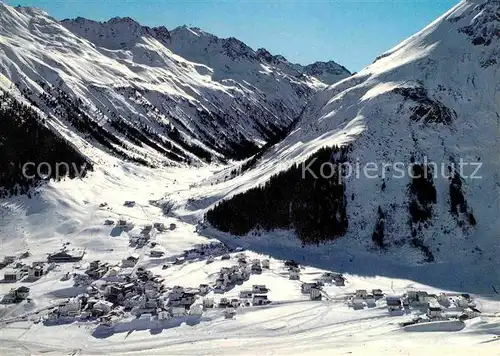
146, 94
71, 100
435, 96
328, 72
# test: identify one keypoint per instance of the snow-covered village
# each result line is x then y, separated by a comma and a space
136, 274
169, 189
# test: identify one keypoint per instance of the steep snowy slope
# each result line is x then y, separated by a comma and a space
120, 86
436, 96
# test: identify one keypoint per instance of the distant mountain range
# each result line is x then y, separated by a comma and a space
151, 95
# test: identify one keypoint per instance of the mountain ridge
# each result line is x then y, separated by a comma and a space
432, 96
122, 89
329, 72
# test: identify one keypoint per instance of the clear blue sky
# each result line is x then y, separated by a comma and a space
350, 32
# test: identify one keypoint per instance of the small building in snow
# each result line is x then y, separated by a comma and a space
95, 264
159, 226
35, 272
22, 292
259, 289
70, 308
229, 313
157, 253
9, 298
339, 280
422, 298
204, 289
102, 307
434, 312
315, 293
394, 303
260, 300
462, 302
130, 261
327, 277
187, 299
291, 263
208, 303
306, 287
256, 269
357, 302
370, 299
417, 297
224, 303
196, 309
12, 275
99, 272
177, 311
163, 314
123, 223
377, 293
66, 256
246, 294
179, 260
361, 293
235, 303
114, 271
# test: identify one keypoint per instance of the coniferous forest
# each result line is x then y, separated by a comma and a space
24, 138
315, 207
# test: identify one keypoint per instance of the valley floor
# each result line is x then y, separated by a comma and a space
292, 324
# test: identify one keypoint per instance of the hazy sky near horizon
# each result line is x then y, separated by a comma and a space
350, 32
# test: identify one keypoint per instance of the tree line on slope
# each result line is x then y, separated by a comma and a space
24, 138
314, 205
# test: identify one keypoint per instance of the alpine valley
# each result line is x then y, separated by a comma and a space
185, 185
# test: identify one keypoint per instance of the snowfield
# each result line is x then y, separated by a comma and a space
435, 96
363, 110
291, 324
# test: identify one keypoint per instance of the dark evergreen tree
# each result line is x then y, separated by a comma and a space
378, 233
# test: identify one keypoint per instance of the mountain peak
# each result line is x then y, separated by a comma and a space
328, 72
126, 20
266, 56
186, 31
30, 11
116, 33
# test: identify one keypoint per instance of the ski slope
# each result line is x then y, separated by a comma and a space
374, 111
292, 324
362, 110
